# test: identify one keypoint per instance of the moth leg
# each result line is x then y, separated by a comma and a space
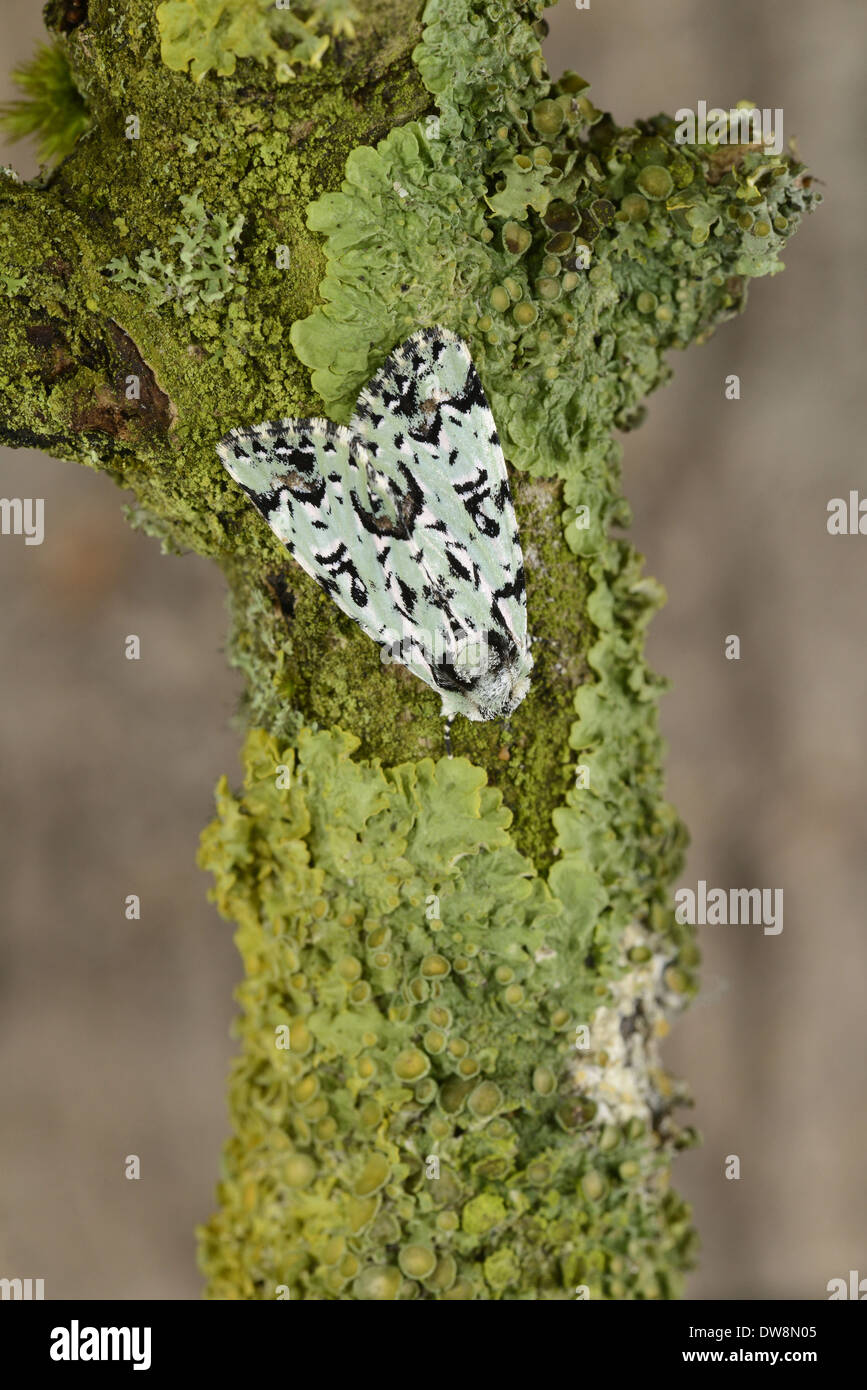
450, 719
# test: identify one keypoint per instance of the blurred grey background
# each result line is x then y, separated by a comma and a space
115, 1033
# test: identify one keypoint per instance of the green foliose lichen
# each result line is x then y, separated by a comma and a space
204, 271
570, 253
406, 1123
211, 35
51, 107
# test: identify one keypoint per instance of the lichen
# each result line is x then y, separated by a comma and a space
52, 106
211, 35
485, 217
405, 1122
571, 255
204, 271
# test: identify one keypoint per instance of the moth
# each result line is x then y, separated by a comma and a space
405, 518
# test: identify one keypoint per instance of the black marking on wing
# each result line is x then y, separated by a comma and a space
516, 590
340, 562
408, 595
458, 570
474, 493
409, 505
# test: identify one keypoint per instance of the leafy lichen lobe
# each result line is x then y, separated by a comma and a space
406, 1125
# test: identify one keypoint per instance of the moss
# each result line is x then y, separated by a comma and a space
259, 154
51, 107
331, 866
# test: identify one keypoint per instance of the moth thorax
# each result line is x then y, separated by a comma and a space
467, 655
471, 656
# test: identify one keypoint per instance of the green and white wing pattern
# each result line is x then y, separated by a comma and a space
405, 518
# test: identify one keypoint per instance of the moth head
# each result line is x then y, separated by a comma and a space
486, 676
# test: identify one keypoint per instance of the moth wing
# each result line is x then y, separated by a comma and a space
318, 488
427, 422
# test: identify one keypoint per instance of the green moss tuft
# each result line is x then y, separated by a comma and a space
52, 106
